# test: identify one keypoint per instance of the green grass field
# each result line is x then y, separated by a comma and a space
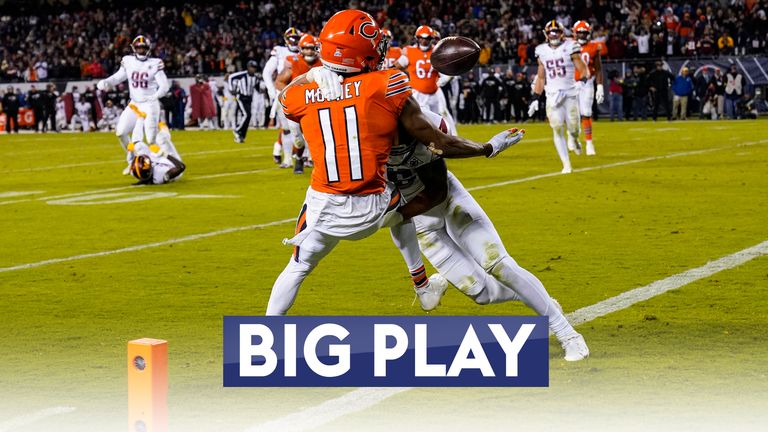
659, 199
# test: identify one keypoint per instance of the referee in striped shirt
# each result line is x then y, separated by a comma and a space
243, 85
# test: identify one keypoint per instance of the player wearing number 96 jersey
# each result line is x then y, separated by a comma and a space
146, 83
350, 112
558, 59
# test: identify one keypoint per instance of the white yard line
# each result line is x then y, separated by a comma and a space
285, 221
27, 419
318, 415
145, 246
120, 188
364, 398
118, 161
616, 164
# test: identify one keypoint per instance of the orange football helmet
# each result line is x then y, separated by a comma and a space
351, 42
308, 45
424, 36
582, 32
386, 33
554, 32
292, 37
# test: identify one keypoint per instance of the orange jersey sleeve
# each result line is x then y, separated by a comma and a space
350, 138
589, 52
393, 55
299, 66
423, 76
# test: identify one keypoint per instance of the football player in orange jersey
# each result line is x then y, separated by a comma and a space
590, 54
393, 53
350, 112
295, 66
426, 81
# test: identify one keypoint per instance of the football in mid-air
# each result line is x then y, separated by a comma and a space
455, 55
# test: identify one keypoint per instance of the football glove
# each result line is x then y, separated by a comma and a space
505, 140
328, 81
600, 94
533, 107
102, 85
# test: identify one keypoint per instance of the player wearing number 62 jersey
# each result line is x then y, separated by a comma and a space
350, 112
146, 83
559, 59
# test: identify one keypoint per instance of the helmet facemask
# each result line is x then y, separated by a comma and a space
582, 37
140, 50
554, 36
424, 43
309, 53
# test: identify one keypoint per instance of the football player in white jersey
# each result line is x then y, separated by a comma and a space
82, 115
559, 59
146, 83
460, 241
156, 164
283, 147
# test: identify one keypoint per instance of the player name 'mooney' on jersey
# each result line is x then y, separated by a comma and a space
348, 91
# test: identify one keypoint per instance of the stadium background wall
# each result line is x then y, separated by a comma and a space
754, 69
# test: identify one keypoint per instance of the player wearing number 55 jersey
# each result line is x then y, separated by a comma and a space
350, 122
146, 83
558, 59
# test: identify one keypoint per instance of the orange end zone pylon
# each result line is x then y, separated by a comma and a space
148, 385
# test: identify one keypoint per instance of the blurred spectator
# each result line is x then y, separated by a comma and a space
734, 88
682, 88
719, 81
615, 97
491, 91
11, 107
629, 87
658, 84
50, 99
37, 103
640, 102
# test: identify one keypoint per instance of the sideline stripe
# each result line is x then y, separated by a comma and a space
366, 397
27, 419
274, 223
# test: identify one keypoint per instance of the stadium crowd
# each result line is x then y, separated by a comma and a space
86, 39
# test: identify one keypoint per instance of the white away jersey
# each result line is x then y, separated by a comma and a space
142, 76
281, 53
83, 109
558, 65
407, 155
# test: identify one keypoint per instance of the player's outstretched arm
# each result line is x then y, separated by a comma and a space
418, 126
113, 80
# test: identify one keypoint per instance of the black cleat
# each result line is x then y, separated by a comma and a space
298, 166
